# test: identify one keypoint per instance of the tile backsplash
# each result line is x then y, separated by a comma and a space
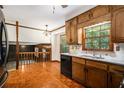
118, 51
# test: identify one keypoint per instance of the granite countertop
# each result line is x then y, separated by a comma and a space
105, 59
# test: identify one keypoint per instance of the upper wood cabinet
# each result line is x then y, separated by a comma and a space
74, 31
99, 11
118, 26
116, 7
68, 31
71, 31
80, 33
94, 13
71, 25
84, 17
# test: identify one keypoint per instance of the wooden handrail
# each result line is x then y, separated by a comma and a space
34, 52
28, 57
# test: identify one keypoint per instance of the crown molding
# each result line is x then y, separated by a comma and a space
23, 26
57, 28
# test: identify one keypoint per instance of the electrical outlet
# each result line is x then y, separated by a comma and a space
117, 48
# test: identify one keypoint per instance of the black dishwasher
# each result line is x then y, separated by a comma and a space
66, 65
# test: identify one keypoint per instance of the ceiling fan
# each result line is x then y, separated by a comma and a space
1, 6
64, 6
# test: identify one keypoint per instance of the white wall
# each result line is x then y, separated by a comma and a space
27, 35
120, 54
11, 33
56, 43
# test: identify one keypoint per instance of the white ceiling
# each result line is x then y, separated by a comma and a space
39, 15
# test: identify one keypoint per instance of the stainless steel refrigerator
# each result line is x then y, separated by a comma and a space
4, 47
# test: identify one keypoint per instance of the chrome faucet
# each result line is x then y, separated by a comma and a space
100, 55
94, 52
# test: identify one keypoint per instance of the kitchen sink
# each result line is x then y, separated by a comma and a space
91, 56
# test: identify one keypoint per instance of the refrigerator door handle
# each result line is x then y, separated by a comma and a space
4, 79
0, 40
7, 43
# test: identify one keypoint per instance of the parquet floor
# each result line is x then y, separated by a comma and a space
39, 75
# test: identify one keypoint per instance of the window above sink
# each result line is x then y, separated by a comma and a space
98, 36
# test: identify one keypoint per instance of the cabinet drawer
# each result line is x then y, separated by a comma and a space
78, 60
96, 64
116, 69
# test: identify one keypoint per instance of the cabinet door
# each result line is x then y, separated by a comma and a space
96, 78
118, 26
116, 75
78, 72
80, 35
68, 31
116, 7
84, 17
115, 79
100, 11
74, 39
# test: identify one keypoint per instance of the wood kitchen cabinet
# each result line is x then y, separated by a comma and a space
99, 11
96, 74
116, 7
78, 70
116, 74
80, 33
71, 25
91, 73
118, 26
71, 31
84, 17
68, 31
96, 12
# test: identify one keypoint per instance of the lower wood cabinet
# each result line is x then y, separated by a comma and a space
78, 70
96, 78
116, 75
96, 74
115, 79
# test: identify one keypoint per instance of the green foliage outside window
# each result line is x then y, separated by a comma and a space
98, 37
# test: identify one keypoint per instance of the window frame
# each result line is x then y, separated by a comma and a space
100, 49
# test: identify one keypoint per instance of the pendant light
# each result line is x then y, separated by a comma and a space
46, 31
53, 9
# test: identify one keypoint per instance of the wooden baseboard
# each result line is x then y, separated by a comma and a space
55, 61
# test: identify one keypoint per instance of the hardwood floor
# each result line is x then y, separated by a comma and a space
39, 75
